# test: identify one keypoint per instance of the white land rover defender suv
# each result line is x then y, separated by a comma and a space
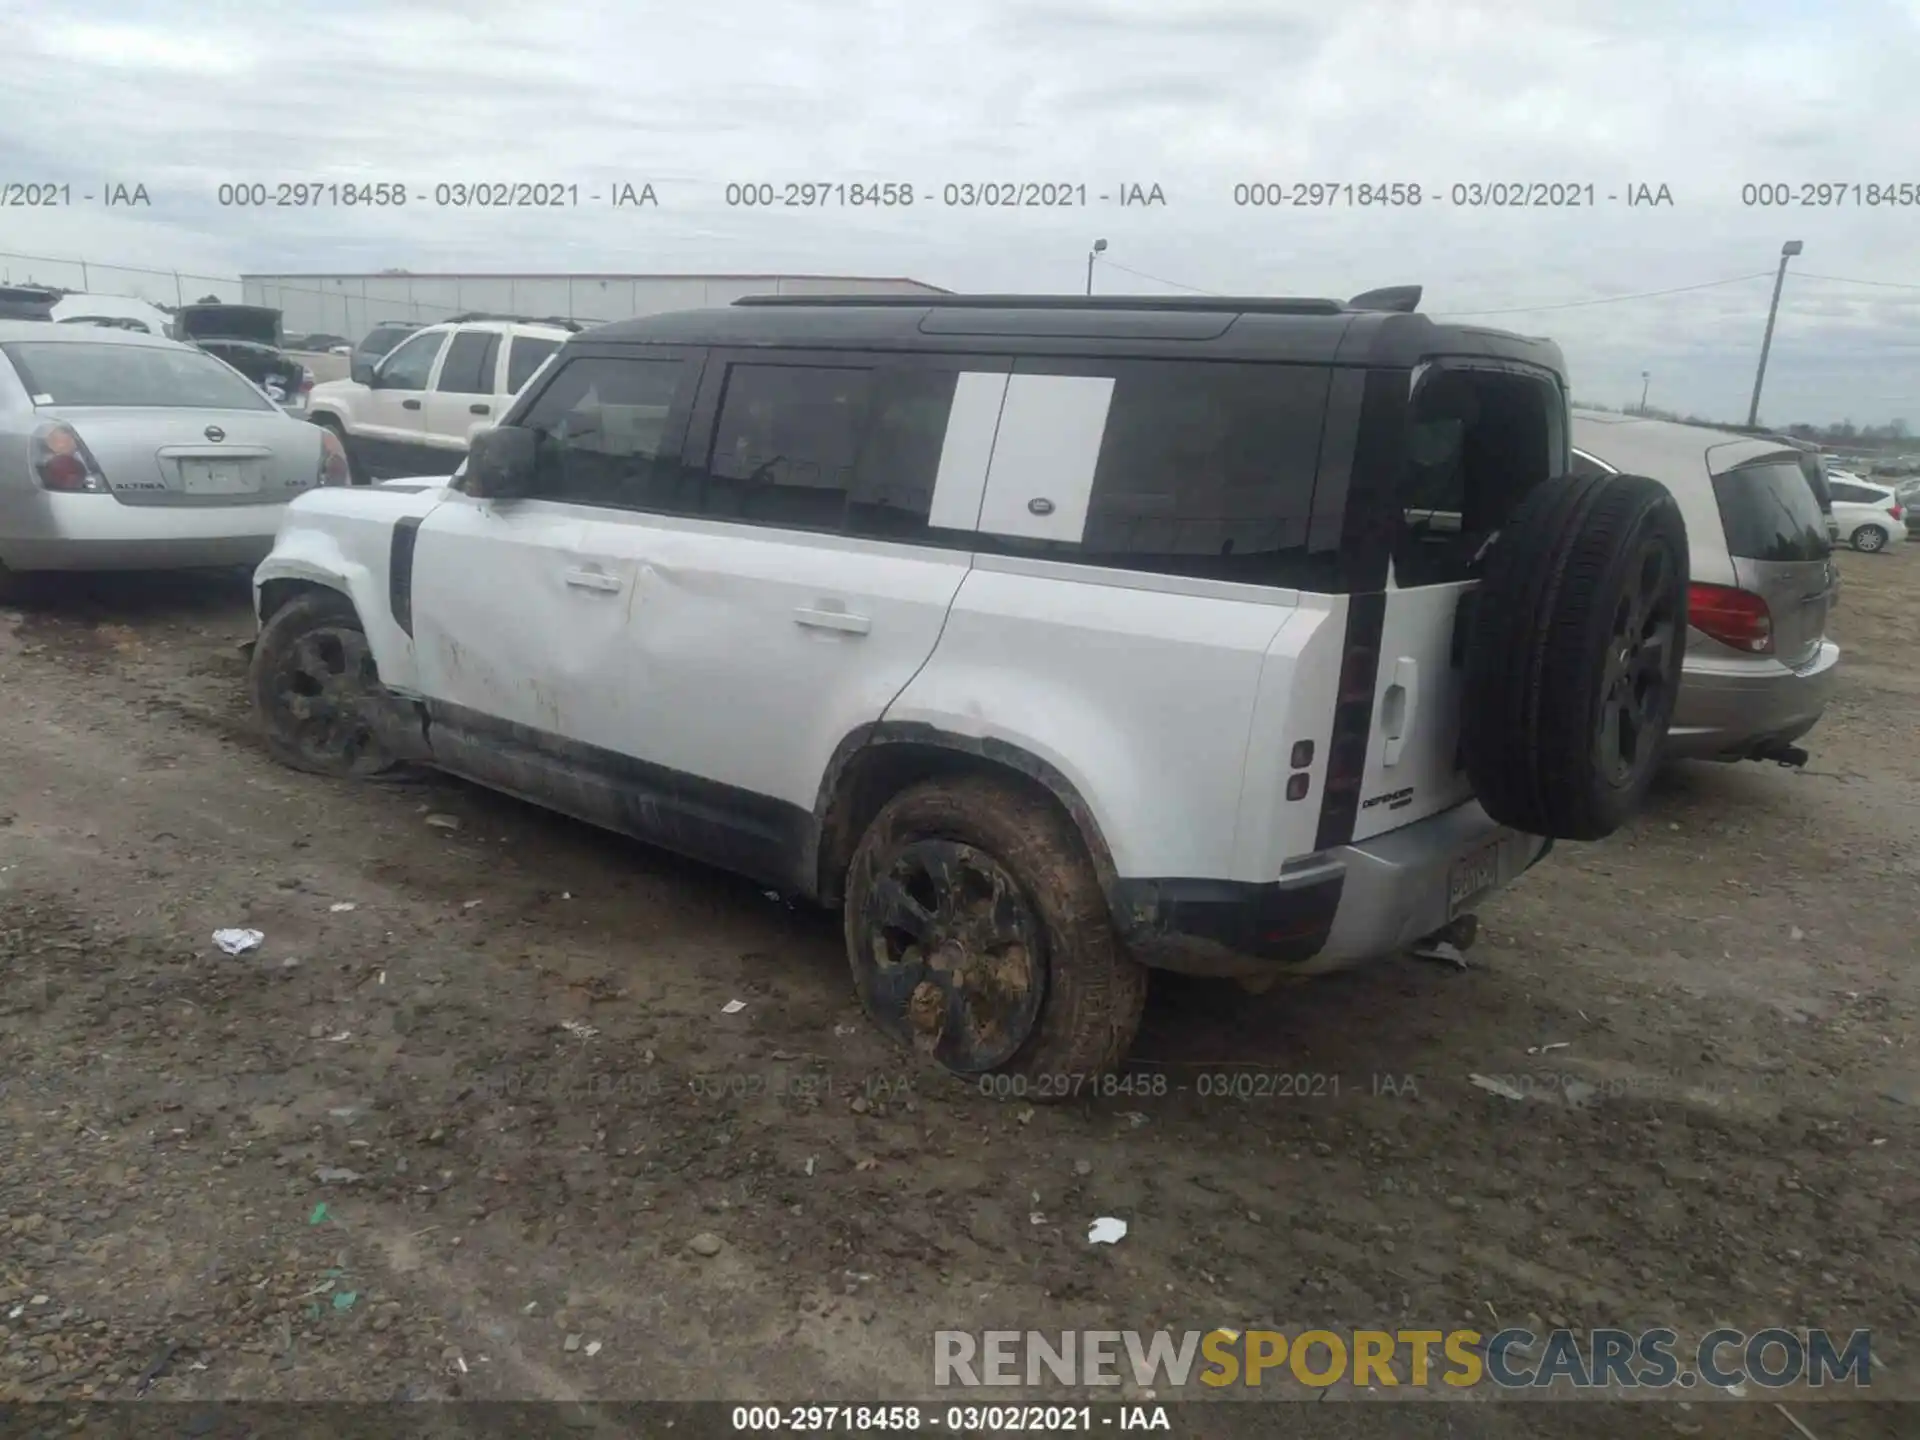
414, 410
1050, 639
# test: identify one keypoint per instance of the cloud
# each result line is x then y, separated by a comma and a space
1195, 97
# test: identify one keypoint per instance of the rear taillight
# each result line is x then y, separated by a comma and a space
1896, 511
1737, 618
62, 464
334, 469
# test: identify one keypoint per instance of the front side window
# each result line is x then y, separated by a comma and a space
604, 430
408, 367
78, 373
383, 338
785, 445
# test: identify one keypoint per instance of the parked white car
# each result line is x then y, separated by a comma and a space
413, 411
1048, 638
1870, 515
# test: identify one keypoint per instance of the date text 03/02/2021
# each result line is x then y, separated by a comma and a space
968, 1419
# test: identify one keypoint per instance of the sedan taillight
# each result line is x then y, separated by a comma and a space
1738, 618
62, 463
334, 469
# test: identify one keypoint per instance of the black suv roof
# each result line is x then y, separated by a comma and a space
1378, 328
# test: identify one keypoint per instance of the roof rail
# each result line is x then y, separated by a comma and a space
1249, 304
470, 316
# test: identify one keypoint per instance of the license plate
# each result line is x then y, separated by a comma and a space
1472, 876
219, 477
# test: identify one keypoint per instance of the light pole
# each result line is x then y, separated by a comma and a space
1099, 248
1645, 379
1787, 252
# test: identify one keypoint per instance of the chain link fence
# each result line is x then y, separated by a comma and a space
351, 305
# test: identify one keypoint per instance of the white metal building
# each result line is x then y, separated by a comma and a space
351, 305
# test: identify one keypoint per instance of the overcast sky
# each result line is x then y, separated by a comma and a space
1194, 96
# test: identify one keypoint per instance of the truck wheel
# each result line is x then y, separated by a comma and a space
978, 935
1573, 656
316, 689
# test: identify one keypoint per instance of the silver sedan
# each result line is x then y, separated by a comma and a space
123, 451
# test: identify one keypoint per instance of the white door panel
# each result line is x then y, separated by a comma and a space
967, 451
520, 614
1048, 446
754, 652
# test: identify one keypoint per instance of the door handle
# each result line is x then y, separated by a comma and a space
594, 580
832, 620
479, 410
1398, 707
409, 404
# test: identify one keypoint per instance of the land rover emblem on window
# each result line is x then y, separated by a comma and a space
1042, 506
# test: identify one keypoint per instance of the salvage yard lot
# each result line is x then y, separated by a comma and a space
458, 1139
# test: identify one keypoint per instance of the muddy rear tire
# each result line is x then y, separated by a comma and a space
978, 935
317, 691
1573, 658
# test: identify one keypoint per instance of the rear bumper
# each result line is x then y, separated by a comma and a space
1347, 906
1729, 709
39, 531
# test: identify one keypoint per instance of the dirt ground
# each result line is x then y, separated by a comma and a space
452, 1130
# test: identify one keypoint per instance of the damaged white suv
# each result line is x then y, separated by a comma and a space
1051, 639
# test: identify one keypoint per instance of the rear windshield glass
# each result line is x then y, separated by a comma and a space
1769, 513
81, 374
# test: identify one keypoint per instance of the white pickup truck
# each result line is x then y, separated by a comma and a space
413, 411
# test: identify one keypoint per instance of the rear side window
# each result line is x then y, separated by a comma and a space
468, 368
1203, 469
605, 427
526, 354
1769, 513
1855, 494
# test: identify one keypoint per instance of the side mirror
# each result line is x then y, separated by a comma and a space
501, 463
362, 372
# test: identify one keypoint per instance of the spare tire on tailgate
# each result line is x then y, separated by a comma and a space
1573, 655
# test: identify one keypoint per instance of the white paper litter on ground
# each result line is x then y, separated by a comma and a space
579, 1029
1498, 1087
340, 907
733, 1007
1106, 1231
237, 942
